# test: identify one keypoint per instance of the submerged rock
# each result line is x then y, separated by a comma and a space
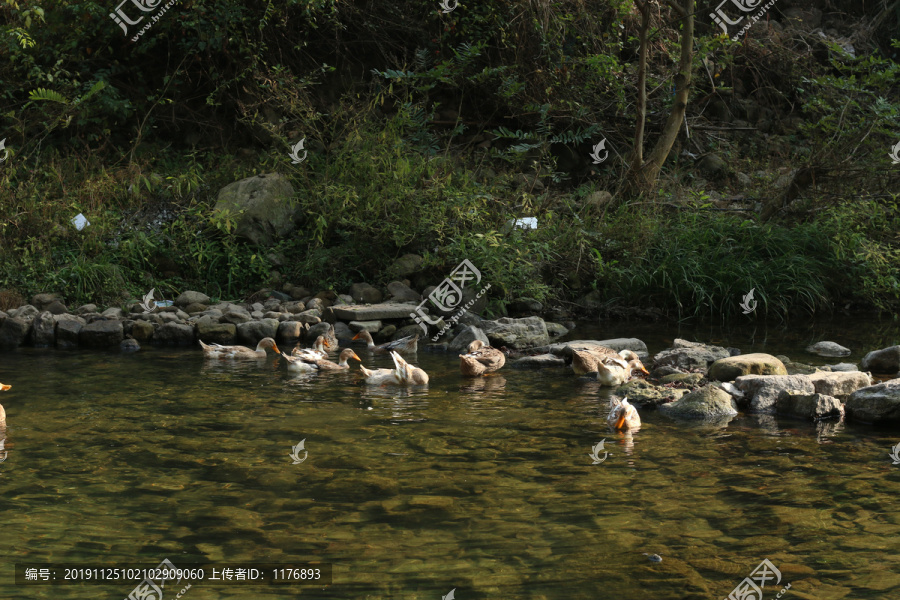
538, 362
886, 360
878, 403
808, 406
129, 345
762, 391
829, 349
706, 404
644, 394
732, 367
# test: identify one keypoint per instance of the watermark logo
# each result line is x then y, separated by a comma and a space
151, 588
596, 153
449, 7
895, 454
596, 450
721, 19
749, 303
447, 296
6, 152
295, 156
145, 6
148, 304
449, 596
894, 154
6, 452
751, 587
296, 454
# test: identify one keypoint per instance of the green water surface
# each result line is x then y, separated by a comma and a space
483, 486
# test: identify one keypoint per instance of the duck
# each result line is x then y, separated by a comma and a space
409, 343
3, 388
304, 364
612, 368
623, 415
481, 359
403, 373
219, 351
317, 352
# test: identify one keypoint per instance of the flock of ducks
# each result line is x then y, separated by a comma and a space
612, 368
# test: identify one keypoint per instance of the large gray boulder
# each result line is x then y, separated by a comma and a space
262, 207
290, 332
839, 383
175, 333
709, 403
43, 301
469, 334
689, 355
886, 360
251, 332
405, 266
729, 369
363, 293
13, 332
400, 292
878, 403
67, 329
211, 331
517, 333
43, 329
101, 334
761, 391
538, 361
808, 406
191, 297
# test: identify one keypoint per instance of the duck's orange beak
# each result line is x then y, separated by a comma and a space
621, 420
644, 371
327, 345
275, 347
356, 357
356, 337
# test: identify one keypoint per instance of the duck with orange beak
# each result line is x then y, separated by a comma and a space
3, 388
622, 415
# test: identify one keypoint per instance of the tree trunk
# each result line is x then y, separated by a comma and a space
643, 174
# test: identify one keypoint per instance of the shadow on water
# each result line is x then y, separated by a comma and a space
484, 485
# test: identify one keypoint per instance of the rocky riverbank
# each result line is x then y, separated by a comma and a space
690, 380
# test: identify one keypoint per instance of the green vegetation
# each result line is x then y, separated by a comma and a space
429, 134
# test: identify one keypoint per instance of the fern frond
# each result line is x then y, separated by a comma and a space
49, 95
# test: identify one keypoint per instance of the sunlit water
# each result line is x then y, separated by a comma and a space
484, 485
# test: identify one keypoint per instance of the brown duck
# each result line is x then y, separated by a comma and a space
481, 359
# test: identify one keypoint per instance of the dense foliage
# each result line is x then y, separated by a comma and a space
432, 131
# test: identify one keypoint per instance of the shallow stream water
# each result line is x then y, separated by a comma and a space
482, 486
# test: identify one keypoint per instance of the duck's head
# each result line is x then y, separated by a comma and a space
634, 361
347, 354
475, 346
268, 344
4, 387
321, 343
364, 336
622, 411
